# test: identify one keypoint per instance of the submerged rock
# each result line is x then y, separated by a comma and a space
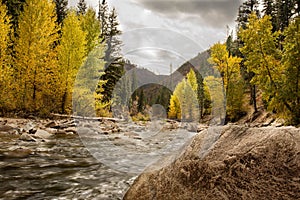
5, 128
238, 163
42, 134
28, 138
18, 153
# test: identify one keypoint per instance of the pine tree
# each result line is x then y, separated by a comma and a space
35, 63
245, 11
281, 11
91, 26
122, 92
82, 7
72, 51
141, 102
285, 12
61, 10
103, 16
114, 67
6, 99
268, 7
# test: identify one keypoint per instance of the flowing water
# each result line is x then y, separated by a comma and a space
58, 168
62, 167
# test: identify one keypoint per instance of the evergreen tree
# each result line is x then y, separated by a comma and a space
203, 100
35, 56
245, 11
61, 10
268, 7
285, 11
281, 11
114, 67
141, 102
103, 16
72, 51
163, 98
82, 7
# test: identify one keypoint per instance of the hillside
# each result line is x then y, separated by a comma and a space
153, 91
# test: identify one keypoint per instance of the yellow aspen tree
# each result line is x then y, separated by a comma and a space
229, 68
35, 56
6, 101
174, 108
71, 56
184, 103
290, 60
86, 101
91, 25
213, 91
192, 80
190, 93
177, 101
5, 29
265, 59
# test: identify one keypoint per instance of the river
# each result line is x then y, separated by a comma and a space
60, 168
72, 159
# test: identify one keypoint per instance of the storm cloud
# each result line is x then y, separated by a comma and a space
213, 13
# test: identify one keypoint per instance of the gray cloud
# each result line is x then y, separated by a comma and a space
214, 13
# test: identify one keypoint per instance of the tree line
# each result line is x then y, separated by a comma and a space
264, 58
43, 44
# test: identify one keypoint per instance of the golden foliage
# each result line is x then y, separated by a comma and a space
35, 55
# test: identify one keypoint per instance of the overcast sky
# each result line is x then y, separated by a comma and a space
157, 33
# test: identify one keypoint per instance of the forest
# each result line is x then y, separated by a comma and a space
44, 43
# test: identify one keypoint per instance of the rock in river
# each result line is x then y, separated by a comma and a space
42, 134
26, 137
18, 153
5, 128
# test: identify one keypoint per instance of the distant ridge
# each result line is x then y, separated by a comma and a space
152, 91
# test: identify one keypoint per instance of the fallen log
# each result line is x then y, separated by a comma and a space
88, 118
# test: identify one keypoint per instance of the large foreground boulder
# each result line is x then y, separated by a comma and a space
236, 163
